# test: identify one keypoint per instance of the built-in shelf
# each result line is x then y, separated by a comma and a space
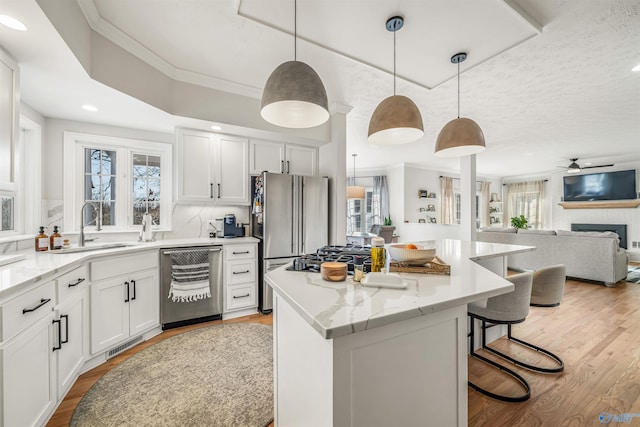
601, 204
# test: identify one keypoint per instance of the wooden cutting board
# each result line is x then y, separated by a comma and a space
435, 266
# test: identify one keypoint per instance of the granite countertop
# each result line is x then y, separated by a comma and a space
37, 267
340, 308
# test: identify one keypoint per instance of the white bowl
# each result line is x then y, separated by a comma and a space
422, 255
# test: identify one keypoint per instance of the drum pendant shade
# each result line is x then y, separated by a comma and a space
294, 97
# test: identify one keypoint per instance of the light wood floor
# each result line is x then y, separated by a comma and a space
596, 331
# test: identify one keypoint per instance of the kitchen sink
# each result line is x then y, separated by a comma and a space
92, 248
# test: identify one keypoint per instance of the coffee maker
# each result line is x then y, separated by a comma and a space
231, 229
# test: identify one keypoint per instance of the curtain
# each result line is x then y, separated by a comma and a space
447, 207
381, 194
526, 198
485, 190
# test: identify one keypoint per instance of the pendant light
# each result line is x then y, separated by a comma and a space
355, 191
573, 167
294, 96
396, 120
461, 136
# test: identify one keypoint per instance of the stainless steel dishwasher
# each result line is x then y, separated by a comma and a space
174, 314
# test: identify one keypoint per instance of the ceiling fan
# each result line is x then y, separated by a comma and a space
574, 167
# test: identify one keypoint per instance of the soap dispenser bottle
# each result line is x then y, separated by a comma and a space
55, 240
42, 241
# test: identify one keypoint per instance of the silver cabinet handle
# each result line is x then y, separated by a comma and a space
211, 190
287, 166
241, 296
240, 253
241, 272
281, 166
218, 190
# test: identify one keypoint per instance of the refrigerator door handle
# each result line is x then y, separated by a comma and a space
293, 214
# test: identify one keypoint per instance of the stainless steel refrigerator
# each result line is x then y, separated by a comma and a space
290, 216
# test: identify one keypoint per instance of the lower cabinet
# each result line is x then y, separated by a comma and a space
240, 274
122, 307
70, 340
28, 375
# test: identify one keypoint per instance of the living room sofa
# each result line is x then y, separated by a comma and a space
586, 254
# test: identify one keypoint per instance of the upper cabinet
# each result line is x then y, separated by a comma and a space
283, 158
212, 168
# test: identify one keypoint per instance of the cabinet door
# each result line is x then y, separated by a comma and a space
109, 314
266, 156
302, 160
72, 342
232, 170
195, 182
28, 389
144, 306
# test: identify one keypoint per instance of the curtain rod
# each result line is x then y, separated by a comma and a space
524, 182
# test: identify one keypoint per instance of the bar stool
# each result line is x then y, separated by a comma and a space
547, 289
505, 309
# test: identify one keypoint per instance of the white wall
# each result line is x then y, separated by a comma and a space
404, 183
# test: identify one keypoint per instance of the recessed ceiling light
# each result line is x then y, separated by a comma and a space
11, 22
89, 108
636, 68
216, 127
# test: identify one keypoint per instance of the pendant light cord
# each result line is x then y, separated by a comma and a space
295, 30
354, 168
458, 89
394, 66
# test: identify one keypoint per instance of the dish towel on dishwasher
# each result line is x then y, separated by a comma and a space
190, 275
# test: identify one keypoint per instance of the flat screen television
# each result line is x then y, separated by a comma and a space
619, 185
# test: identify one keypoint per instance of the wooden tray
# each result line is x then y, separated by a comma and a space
435, 266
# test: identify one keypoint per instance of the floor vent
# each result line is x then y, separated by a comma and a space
124, 346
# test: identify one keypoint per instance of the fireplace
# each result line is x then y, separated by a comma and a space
619, 229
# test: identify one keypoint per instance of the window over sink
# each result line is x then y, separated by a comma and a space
123, 178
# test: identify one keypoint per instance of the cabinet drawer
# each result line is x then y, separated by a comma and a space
232, 252
242, 271
25, 310
72, 283
123, 265
240, 296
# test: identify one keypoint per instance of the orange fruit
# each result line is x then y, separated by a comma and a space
411, 246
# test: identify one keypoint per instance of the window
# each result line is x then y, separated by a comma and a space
7, 206
100, 185
526, 198
122, 178
362, 214
146, 187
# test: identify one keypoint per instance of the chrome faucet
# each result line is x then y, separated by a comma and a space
81, 239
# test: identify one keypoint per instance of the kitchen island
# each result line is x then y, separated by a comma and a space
348, 355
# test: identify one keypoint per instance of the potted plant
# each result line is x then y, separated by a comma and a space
387, 220
519, 222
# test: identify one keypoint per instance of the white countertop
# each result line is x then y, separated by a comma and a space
40, 266
339, 308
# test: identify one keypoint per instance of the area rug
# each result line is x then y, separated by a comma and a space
633, 274
215, 376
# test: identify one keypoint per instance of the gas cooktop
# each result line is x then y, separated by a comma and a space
346, 254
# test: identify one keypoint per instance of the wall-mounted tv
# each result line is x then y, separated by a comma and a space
619, 185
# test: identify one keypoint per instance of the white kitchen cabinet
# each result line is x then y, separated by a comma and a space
282, 158
240, 278
212, 168
71, 326
70, 341
125, 305
28, 372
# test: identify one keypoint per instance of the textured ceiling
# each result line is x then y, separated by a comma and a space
547, 80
